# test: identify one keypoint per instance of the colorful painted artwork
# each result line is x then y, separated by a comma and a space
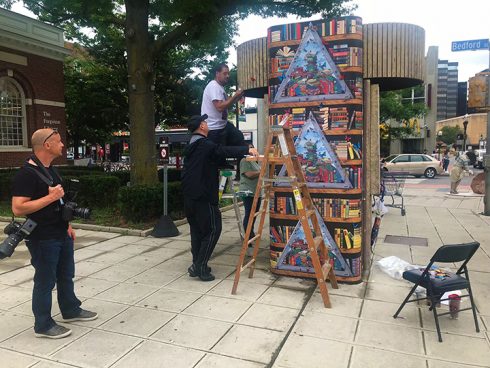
312, 75
296, 255
319, 161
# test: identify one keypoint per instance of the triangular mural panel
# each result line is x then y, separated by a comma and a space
296, 256
319, 161
312, 75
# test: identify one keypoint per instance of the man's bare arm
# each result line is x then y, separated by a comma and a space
22, 206
221, 105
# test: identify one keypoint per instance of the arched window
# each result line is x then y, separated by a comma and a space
12, 114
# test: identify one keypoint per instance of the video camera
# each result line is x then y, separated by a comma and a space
16, 233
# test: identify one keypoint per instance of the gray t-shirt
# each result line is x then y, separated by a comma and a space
214, 92
247, 184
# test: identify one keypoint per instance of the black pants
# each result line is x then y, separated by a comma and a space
228, 136
205, 224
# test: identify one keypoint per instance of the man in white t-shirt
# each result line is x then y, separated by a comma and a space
215, 104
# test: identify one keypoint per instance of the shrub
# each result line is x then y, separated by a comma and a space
172, 175
98, 191
141, 203
6, 184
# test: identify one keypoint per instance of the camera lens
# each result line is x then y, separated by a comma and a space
83, 213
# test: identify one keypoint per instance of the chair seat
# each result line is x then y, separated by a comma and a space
451, 281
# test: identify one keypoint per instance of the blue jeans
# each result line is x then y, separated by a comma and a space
54, 263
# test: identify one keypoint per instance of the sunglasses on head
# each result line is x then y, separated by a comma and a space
49, 136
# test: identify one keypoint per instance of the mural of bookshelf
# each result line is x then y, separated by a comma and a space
315, 78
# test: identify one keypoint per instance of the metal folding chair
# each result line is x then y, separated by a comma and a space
436, 286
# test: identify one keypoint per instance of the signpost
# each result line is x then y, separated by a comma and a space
473, 45
165, 226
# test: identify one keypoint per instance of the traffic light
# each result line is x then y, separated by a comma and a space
478, 87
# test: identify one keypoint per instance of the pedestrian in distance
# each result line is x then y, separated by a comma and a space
51, 243
445, 161
460, 168
249, 177
200, 188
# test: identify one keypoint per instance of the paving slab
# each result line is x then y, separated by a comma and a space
13, 323
156, 277
311, 352
136, 321
370, 357
128, 293
247, 342
220, 361
117, 273
169, 300
325, 326
244, 292
375, 310
390, 337
269, 316
194, 284
194, 332
458, 349
341, 305
283, 297
97, 349
14, 296
221, 309
12, 359
152, 354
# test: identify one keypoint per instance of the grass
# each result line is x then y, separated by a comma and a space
112, 216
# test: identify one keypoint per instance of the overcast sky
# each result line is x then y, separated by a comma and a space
443, 20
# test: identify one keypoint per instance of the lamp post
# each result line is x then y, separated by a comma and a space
465, 125
439, 143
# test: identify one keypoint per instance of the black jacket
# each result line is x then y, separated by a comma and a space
200, 175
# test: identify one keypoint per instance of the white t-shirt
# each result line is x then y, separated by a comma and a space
214, 91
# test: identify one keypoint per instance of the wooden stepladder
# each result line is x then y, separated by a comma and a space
280, 150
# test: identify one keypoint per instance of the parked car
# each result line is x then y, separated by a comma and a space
413, 164
70, 156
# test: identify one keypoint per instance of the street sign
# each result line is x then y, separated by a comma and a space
163, 146
164, 153
470, 45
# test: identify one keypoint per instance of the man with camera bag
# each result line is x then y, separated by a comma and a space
37, 194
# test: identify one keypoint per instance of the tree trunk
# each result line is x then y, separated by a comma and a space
140, 90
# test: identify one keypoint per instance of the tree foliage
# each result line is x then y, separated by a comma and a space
449, 134
160, 43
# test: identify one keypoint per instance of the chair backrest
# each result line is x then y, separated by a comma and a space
455, 252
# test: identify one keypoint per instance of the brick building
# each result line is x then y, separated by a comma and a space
31, 84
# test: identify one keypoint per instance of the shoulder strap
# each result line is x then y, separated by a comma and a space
49, 181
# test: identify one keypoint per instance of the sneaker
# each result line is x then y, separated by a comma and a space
55, 332
84, 315
193, 272
207, 276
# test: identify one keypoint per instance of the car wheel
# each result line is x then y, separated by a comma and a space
430, 173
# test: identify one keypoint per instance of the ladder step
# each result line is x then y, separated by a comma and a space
253, 239
279, 179
259, 212
326, 269
247, 265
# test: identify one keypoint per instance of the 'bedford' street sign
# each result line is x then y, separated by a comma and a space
470, 45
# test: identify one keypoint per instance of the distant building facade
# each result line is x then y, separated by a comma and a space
462, 107
447, 89
31, 84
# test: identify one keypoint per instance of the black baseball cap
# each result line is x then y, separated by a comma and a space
195, 121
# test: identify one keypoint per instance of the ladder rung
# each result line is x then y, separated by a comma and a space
279, 179
247, 265
253, 239
258, 213
326, 269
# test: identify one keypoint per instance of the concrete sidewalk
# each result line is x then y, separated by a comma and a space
153, 315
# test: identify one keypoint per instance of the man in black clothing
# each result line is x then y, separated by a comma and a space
200, 178
51, 243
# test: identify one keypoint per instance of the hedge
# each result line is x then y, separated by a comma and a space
145, 202
98, 191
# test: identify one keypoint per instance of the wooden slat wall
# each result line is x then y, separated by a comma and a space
252, 63
394, 50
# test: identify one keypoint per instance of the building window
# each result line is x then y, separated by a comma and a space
13, 129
